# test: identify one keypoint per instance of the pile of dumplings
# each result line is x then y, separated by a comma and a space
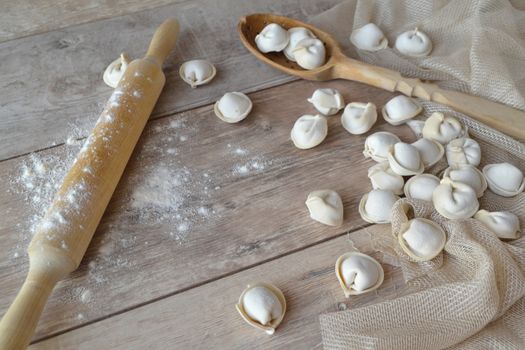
298, 44
454, 196
400, 171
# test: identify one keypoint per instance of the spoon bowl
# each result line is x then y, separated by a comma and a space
252, 25
338, 66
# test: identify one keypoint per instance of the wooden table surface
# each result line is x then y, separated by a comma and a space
204, 207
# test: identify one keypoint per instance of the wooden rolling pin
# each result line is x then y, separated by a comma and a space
64, 233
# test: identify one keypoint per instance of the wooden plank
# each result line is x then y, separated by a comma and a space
52, 83
19, 18
200, 196
204, 317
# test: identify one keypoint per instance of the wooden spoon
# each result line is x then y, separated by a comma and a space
339, 66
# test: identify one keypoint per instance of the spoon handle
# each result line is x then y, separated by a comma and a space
498, 116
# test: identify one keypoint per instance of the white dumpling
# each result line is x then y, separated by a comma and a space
383, 178
469, 175
296, 34
358, 273
378, 145
430, 151
463, 151
262, 306
197, 72
421, 187
504, 224
369, 38
413, 43
376, 206
504, 179
273, 38
400, 109
115, 70
455, 200
404, 159
326, 207
358, 118
422, 239
233, 107
309, 131
442, 128
309, 53
327, 101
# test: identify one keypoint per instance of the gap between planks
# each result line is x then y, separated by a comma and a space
153, 118
200, 284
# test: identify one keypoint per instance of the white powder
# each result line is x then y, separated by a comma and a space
253, 165
86, 296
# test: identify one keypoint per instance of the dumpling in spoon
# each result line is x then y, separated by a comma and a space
296, 34
273, 38
309, 53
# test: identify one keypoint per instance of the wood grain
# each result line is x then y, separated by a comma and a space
231, 209
61, 71
24, 18
204, 317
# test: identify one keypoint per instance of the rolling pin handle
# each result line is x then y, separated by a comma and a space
163, 41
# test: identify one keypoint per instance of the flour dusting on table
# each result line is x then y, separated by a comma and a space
163, 192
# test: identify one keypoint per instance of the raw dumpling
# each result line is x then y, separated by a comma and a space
422, 239
504, 179
383, 178
455, 200
262, 306
233, 107
326, 207
414, 43
309, 53
376, 206
359, 117
309, 131
296, 34
273, 38
421, 187
468, 175
405, 160
327, 101
197, 72
400, 109
442, 128
430, 151
463, 151
504, 224
115, 70
378, 144
369, 38
358, 273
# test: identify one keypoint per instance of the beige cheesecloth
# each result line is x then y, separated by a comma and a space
472, 296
